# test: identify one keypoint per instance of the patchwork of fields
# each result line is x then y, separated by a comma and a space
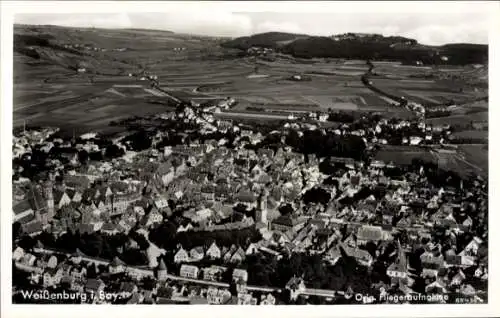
70, 98
48, 91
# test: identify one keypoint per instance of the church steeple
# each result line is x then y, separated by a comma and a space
262, 206
401, 260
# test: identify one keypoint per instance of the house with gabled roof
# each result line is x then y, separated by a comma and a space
350, 240
279, 238
296, 286
128, 288
213, 251
238, 256
52, 262
185, 228
18, 253
436, 287
153, 217
117, 266
333, 255
23, 212
213, 272
252, 249
61, 198
458, 278
196, 254
94, 286
52, 277
189, 271
228, 253
472, 248
361, 256
28, 259
109, 228
181, 256
33, 228
240, 275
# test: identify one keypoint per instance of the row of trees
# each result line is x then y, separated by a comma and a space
167, 237
325, 145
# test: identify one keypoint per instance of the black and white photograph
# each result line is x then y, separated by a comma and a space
197, 156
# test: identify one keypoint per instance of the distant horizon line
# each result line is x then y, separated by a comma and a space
235, 37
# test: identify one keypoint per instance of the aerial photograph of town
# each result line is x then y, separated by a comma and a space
268, 166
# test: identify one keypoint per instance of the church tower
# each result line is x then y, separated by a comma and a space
48, 196
262, 207
162, 271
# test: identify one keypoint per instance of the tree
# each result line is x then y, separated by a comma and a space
113, 151
27, 242
16, 231
91, 271
92, 244
286, 209
139, 141
317, 195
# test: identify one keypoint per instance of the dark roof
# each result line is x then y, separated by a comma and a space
198, 301
397, 267
162, 265
22, 206
76, 181
454, 259
78, 252
127, 286
58, 195
32, 227
116, 262
26, 219
165, 301
93, 284
246, 196
164, 168
431, 265
85, 228
370, 233
36, 199
286, 220
294, 282
108, 226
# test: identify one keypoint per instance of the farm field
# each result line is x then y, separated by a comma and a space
403, 155
475, 155
48, 90
459, 119
472, 134
464, 165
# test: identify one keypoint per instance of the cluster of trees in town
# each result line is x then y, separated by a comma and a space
324, 145
341, 117
167, 237
267, 270
316, 195
38, 162
95, 244
139, 141
437, 114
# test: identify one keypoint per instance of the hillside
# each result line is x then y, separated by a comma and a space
271, 40
364, 46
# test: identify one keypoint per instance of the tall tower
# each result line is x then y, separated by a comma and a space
162, 271
401, 255
48, 196
262, 208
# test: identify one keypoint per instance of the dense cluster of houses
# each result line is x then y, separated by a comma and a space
208, 180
